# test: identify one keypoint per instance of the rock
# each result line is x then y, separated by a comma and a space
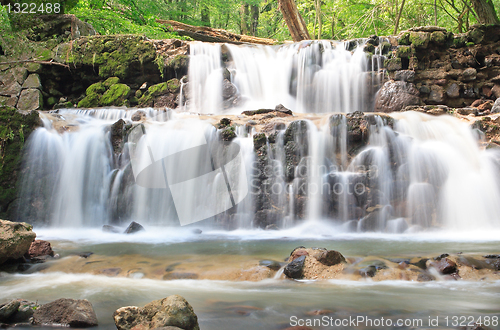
24, 312
271, 227
30, 99
116, 95
40, 248
9, 84
453, 91
295, 268
369, 271
271, 264
8, 309
85, 254
420, 40
228, 89
395, 95
436, 95
393, 64
469, 74
171, 311
467, 111
496, 106
282, 108
133, 228
259, 140
330, 257
405, 75
445, 266
138, 115
425, 277
15, 239
110, 229
33, 81
66, 313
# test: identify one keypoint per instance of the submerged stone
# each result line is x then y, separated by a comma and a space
133, 228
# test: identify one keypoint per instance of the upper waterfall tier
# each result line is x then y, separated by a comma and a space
311, 76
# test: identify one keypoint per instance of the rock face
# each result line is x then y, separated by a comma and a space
15, 239
66, 312
173, 311
395, 95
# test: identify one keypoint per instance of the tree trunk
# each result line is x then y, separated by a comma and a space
485, 11
398, 17
243, 17
320, 24
255, 19
435, 13
294, 21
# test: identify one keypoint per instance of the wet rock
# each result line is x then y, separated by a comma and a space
271, 227
437, 95
493, 263
8, 309
85, 254
295, 268
24, 312
15, 239
171, 311
117, 135
496, 106
395, 95
422, 263
425, 277
30, 99
369, 271
467, 111
283, 109
116, 95
298, 253
110, 229
180, 276
138, 115
445, 266
228, 89
133, 228
67, 313
271, 264
40, 248
259, 140
405, 75
330, 257
114, 271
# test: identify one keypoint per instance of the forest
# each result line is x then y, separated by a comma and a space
324, 19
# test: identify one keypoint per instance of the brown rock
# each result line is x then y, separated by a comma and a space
395, 95
437, 95
496, 90
66, 313
445, 266
477, 103
15, 239
40, 248
298, 253
485, 106
330, 257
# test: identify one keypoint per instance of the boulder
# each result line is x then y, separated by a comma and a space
469, 74
40, 248
395, 95
133, 228
437, 95
67, 313
15, 239
496, 106
17, 311
295, 268
30, 99
453, 91
33, 81
330, 257
8, 309
445, 266
173, 311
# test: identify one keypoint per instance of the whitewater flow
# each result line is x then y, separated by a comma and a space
311, 76
424, 172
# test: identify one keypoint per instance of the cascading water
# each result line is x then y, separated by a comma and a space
311, 76
408, 170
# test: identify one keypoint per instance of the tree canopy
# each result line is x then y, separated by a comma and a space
325, 19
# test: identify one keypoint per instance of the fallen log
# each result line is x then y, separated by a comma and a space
203, 33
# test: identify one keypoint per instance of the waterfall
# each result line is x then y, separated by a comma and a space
410, 171
311, 76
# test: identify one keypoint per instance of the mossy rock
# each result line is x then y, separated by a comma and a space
51, 101
97, 88
420, 40
116, 95
179, 62
114, 56
173, 85
393, 64
403, 52
404, 39
459, 41
438, 38
259, 140
156, 90
90, 101
228, 133
111, 81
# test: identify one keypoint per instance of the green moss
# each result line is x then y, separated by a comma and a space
459, 41
116, 95
90, 101
153, 91
403, 52
259, 140
419, 39
228, 133
51, 101
438, 37
393, 64
97, 88
404, 39
113, 56
469, 44
174, 85
111, 81
179, 62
